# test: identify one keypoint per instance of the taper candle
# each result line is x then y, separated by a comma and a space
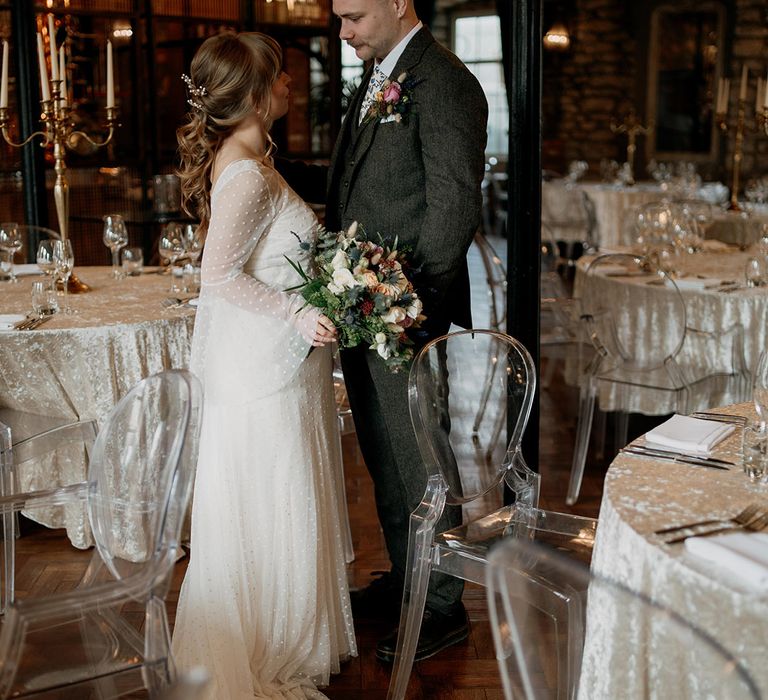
759, 95
110, 77
63, 75
743, 87
765, 92
44, 89
54, 53
4, 79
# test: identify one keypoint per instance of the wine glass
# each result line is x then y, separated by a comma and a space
171, 248
64, 259
44, 257
10, 244
760, 388
115, 237
192, 239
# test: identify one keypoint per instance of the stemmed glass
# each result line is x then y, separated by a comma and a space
44, 257
10, 244
171, 248
64, 259
115, 237
192, 239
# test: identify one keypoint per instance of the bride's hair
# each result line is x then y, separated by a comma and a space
231, 76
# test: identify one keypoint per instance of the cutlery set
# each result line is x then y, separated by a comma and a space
753, 518
29, 324
678, 457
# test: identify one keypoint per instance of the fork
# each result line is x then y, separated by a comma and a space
750, 512
755, 525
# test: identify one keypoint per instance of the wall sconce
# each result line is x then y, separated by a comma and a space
557, 38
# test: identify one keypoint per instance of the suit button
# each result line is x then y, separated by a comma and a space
351, 163
346, 183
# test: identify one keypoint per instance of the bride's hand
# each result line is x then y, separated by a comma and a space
325, 331
317, 328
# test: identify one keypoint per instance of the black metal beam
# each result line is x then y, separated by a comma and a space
28, 105
524, 188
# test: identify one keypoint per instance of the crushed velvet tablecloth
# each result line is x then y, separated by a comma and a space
641, 495
76, 367
707, 309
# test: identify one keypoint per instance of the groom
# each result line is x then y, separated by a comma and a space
417, 178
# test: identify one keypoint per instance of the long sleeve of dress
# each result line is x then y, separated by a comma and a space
246, 321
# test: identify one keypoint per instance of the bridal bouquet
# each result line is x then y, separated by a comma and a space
363, 288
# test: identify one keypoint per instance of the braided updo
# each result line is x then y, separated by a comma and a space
237, 72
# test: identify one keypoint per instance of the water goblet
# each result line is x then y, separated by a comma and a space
10, 244
44, 302
115, 237
171, 248
44, 257
64, 259
754, 451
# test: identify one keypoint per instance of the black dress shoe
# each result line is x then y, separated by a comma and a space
438, 631
379, 600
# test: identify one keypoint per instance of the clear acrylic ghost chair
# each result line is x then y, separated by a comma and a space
495, 282
548, 619
139, 482
50, 464
569, 214
346, 427
467, 468
646, 355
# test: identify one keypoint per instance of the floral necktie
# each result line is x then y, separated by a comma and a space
377, 80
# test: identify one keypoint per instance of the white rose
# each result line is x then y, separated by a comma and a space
414, 309
335, 288
340, 260
384, 351
395, 314
344, 278
380, 338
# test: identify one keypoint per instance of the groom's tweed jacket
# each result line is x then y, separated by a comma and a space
419, 180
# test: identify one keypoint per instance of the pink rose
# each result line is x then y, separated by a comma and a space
392, 92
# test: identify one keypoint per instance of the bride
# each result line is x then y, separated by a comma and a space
264, 605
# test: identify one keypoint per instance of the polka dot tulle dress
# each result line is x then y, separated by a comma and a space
264, 605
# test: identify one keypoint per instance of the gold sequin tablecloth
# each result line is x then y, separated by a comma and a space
640, 496
76, 367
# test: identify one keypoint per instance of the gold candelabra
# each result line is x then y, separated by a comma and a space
739, 127
58, 129
632, 127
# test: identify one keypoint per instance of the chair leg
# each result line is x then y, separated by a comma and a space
622, 430
583, 430
599, 431
418, 568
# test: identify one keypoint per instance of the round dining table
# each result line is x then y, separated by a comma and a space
644, 494
76, 367
716, 298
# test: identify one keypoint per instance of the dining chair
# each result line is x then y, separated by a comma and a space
47, 464
346, 427
495, 282
569, 215
561, 632
646, 354
109, 636
469, 467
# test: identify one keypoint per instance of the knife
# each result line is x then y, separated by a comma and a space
712, 463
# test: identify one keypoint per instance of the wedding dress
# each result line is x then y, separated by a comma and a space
264, 605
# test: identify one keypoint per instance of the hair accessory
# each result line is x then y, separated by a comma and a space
195, 91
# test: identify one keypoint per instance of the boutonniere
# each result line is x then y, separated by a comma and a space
393, 102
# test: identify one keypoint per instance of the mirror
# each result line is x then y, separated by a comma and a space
684, 65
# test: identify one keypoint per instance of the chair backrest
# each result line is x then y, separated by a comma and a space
141, 472
561, 633
466, 390
616, 327
496, 281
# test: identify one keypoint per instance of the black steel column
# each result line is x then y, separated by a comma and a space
28, 106
524, 187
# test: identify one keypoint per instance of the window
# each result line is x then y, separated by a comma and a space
477, 42
352, 69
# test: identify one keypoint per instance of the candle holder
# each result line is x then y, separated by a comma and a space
739, 127
632, 127
58, 129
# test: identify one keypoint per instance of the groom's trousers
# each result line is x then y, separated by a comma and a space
379, 402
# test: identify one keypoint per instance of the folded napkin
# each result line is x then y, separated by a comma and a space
194, 302
7, 321
26, 269
744, 554
692, 435
697, 282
